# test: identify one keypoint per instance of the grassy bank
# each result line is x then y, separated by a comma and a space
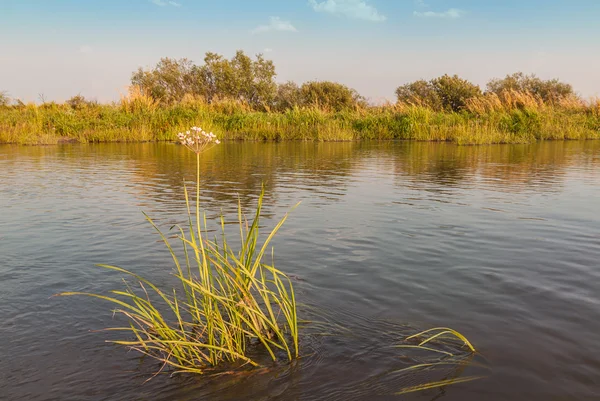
511, 118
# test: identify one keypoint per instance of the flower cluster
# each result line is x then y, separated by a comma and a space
197, 140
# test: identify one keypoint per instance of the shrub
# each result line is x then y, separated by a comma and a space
419, 93
288, 96
448, 93
78, 102
328, 95
4, 99
454, 91
551, 90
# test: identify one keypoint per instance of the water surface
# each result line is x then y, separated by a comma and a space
499, 242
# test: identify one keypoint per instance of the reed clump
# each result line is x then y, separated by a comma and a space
229, 304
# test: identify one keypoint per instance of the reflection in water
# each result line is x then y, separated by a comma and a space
498, 242
230, 171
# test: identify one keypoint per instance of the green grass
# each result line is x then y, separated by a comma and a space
132, 122
227, 304
445, 350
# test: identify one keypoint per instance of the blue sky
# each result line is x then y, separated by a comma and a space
60, 48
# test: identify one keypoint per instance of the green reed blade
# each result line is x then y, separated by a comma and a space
437, 384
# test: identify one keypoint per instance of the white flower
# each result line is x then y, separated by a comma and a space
197, 140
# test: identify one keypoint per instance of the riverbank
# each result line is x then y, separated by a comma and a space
141, 120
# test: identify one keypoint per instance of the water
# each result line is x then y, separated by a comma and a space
499, 242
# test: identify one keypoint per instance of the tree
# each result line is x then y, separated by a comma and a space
264, 87
78, 102
454, 91
4, 99
447, 92
168, 82
548, 90
420, 92
241, 78
329, 95
288, 96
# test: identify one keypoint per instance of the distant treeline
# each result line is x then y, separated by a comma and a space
252, 82
239, 98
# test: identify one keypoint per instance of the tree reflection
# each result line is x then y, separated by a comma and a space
235, 171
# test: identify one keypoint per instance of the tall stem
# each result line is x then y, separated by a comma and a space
205, 274
198, 193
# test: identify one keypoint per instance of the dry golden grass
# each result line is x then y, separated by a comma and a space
573, 103
595, 106
506, 101
229, 106
137, 101
515, 100
413, 102
192, 100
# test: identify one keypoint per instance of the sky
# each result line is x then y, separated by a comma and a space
55, 49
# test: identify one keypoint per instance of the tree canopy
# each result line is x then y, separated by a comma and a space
240, 78
4, 99
329, 95
550, 90
252, 81
448, 93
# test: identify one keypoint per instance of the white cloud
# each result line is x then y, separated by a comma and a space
268, 50
358, 9
85, 49
163, 3
275, 24
421, 3
452, 13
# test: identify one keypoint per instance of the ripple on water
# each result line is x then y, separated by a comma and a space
498, 242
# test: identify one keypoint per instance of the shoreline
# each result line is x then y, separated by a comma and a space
75, 141
94, 123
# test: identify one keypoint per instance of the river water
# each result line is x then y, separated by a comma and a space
501, 243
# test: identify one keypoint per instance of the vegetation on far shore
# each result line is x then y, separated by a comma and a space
239, 99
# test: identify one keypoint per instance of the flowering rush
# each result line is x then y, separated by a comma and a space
197, 140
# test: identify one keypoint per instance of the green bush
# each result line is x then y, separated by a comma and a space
449, 93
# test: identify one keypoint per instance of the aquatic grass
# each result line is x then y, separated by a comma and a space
229, 303
439, 332
441, 344
404, 366
438, 384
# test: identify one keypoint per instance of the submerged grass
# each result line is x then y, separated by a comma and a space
443, 354
512, 117
440, 332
